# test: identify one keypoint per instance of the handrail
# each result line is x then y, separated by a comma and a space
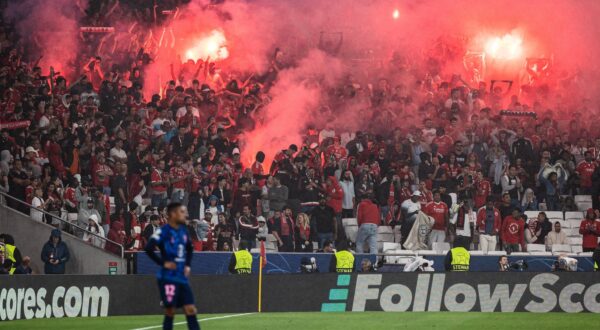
5, 195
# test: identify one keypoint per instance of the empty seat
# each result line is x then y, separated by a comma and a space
255, 250
440, 246
536, 248
385, 234
583, 198
555, 215
583, 206
496, 253
577, 215
390, 246
349, 222
476, 253
585, 254
576, 240
270, 246
532, 214
575, 224
576, 248
379, 248
351, 232
561, 248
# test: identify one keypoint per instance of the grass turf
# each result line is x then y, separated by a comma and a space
329, 321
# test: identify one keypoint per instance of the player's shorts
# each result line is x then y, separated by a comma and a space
175, 294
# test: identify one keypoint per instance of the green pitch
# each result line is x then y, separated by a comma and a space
326, 321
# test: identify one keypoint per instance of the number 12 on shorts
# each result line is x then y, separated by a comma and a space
169, 292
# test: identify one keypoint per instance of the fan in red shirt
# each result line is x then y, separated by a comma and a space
336, 150
405, 192
585, 169
483, 189
444, 142
595, 149
178, 176
438, 210
281, 157
406, 174
258, 170
513, 232
102, 173
590, 229
55, 155
334, 194
426, 194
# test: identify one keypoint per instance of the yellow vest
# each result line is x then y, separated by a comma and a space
344, 262
243, 262
595, 266
10, 254
460, 259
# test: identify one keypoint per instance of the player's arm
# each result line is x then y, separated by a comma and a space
189, 249
151, 248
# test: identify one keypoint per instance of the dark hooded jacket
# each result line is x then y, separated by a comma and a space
59, 252
115, 234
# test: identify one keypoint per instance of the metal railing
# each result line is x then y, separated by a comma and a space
65, 223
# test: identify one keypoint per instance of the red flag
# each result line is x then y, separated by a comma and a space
263, 254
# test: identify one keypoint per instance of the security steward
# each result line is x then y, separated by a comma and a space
342, 261
241, 260
11, 252
458, 258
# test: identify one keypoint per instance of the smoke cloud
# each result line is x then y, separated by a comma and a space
49, 29
396, 40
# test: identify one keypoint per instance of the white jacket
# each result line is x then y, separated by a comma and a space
419, 233
95, 240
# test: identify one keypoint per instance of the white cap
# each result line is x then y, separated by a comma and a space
417, 193
260, 218
236, 151
30, 149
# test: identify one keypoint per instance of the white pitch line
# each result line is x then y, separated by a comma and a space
200, 320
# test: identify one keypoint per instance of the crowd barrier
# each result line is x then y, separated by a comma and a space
285, 263
27, 297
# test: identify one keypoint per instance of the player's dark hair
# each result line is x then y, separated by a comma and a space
172, 207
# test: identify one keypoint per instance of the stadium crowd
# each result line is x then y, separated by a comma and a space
93, 151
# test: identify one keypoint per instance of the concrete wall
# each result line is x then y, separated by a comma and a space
31, 235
